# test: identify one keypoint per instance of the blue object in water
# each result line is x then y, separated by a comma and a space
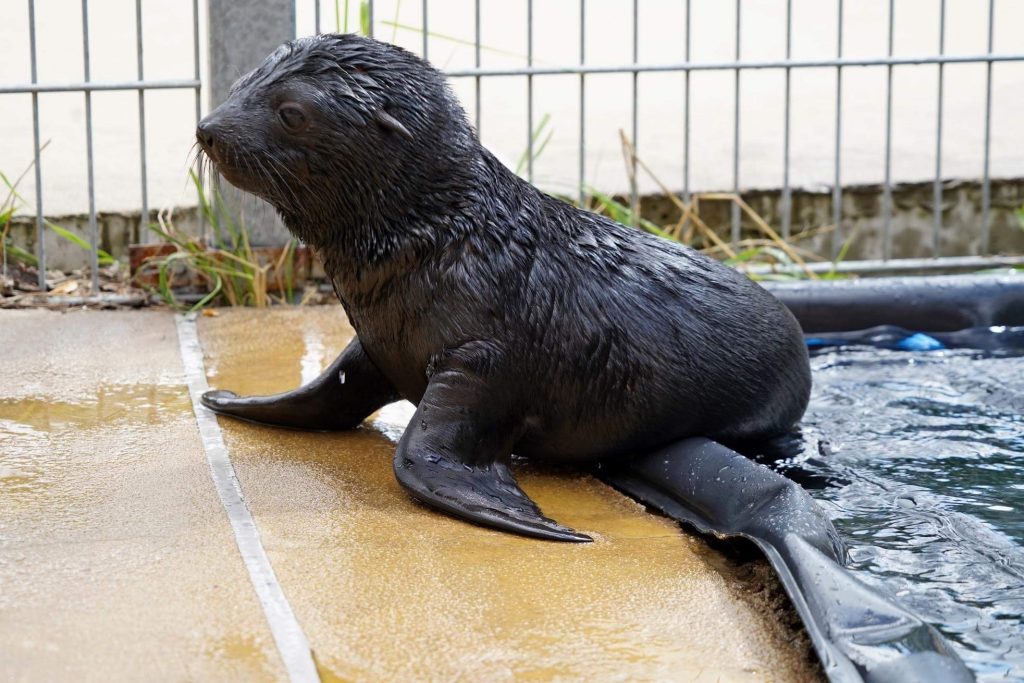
886, 337
920, 342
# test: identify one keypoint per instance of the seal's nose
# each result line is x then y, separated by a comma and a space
205, 134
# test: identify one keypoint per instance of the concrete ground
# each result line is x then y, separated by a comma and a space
117, 560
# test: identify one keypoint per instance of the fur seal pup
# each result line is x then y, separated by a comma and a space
515, 322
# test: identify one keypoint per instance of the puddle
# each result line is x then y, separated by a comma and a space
111, 404
30, 462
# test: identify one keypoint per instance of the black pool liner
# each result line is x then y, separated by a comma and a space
922, 304
910, 313
1001, 338
858, 632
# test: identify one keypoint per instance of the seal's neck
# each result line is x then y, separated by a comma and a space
389, 217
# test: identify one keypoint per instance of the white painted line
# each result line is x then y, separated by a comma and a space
288, 635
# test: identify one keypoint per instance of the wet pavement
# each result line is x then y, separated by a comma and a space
117, 560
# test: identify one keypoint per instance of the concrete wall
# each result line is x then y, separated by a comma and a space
240, 36
911, 224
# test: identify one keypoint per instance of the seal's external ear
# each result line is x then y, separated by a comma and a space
390, 123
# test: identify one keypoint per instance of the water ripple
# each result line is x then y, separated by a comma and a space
919, 458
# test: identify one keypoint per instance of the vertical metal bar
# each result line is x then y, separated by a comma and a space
93, 227
837, 190
316, 15
686, 113
736, 135
369, 17
986, 184
476, 55
581, 155
634, 184
887, 184
37, 149
199, 103
937, 187
787, 207
426, 35
144, 222
529, 91
195, 58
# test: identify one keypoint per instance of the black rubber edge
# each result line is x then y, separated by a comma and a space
922, 304
858, 632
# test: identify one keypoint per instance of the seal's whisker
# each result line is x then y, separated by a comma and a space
204, 171
192, 154
192, 159
257, 169
199, 164
200, 160
276, 169
276, 186
290, 172
271, 173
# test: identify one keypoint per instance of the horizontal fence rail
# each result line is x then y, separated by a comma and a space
734, 65
94, 86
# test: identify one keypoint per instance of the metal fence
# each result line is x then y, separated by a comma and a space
87, 86
738, 66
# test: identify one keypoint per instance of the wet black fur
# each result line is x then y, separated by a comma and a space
595, 339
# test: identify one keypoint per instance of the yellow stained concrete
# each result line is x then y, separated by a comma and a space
389, 590
116, 558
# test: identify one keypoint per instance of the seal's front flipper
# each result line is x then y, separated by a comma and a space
486, 495
454, 456
340, 398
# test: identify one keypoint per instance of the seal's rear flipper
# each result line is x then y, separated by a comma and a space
861, 634
454, 456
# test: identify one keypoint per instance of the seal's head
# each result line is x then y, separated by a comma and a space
327, 122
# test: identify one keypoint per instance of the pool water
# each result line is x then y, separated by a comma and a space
919, 459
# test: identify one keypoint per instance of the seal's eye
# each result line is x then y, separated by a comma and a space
292, 117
